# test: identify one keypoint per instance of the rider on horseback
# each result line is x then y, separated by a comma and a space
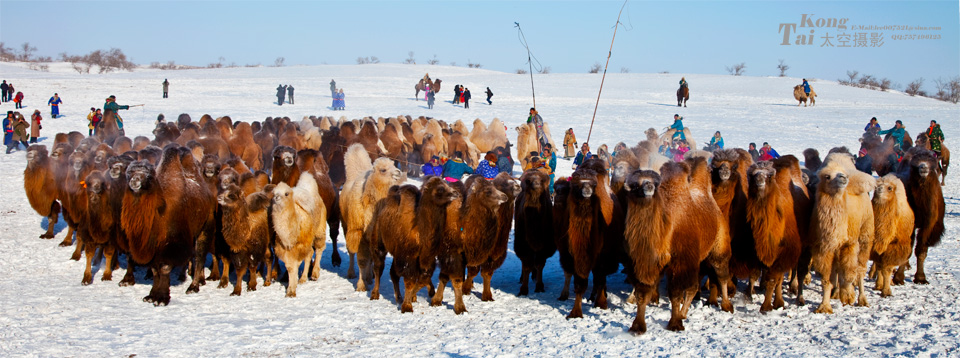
683, 82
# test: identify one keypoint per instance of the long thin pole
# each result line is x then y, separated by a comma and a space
609, 53
529, 62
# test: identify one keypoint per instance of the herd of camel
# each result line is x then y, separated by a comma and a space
256, 194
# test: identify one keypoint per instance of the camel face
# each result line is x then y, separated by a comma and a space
116, 169
724, 171
923, 169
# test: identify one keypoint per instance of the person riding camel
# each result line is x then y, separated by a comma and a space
935, 137
538, 123
897, 132
678, 125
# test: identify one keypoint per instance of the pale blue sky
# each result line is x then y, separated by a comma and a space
683, 37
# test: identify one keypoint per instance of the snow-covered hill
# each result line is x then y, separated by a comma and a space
44, 311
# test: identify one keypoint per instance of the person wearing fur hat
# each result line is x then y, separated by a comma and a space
551, 163
897, 132
569, 144
35, 126
20, 134
488, 166
432, 167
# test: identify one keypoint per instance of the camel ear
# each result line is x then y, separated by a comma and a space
269, 188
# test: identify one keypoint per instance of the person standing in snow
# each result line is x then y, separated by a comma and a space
10, 92
3, 91
18, 100
166, 87
583, 155
281, 92
54, 104
341, 100
20, 134
290, 94
431, 98
456, 94
333, 88
35, 126
8, 131
569, 144
489, 95
466, 97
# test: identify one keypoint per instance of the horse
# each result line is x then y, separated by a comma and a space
683, 94
924, 142
424, 84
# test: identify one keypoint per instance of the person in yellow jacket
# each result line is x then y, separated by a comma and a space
569, 144
90, 124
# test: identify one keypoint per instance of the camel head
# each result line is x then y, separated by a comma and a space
95, 187
760, 178
36, 154
642, 184
584, 183
285, 155
210, 166
117, 165
141, 175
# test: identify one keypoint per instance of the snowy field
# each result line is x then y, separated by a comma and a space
44, 311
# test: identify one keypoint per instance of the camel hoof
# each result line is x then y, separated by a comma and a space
193, 289
406, 307
86, 281
459, 310
638, 328
222, 285
727, 307
563, 297
824, 309
487, 297
575, 315
235, 293
675, 325
291, 294
107, 278
921, 281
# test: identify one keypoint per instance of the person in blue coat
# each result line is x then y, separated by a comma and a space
582, 155
455, 168
54, 104
551, 158
8, 131
716, 142
897, 132
872, 125
806, 87
678, 125
488, 166
432, 167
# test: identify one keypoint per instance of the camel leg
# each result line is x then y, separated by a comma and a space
90, 251
884, 282
128, 278
579, 288
639, 325
438, 296
411, 291
68, 240
525, 279
600, 291
920, 277
538, 271
240, 269
458, 306
110, 253
52, 219
487, 274
676, 316
395, 278
472, 272
225, 277
78, 250
899, 277
293, 277
778, 300
861, 297
351, 270
377, 273
160, 292
565, 292
826, 273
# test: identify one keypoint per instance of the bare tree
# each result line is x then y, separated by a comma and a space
410, 59
737, 69
521, 71
942, 86
624, 70
545, 70
6, 53
954, 90
374, 59
595, 68
279, 62
433, 61
852, 75
664, 72
26, 51
470, 64
913, 88
783, 67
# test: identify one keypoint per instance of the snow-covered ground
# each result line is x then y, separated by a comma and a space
44, 311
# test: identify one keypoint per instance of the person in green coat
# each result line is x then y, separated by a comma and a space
111, 107
935, 136
897, 132
455, 168
551, 159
